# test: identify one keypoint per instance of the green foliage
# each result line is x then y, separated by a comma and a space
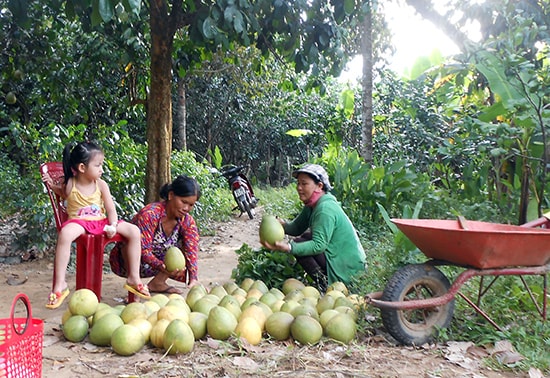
272, 267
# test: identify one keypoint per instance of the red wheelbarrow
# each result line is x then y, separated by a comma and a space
419, 299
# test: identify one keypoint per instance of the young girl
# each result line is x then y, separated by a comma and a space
90, 209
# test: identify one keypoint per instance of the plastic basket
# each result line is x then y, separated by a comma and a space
21, 343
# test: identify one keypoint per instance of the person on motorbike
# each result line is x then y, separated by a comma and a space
327, 246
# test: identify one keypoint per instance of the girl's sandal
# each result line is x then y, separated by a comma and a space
56, 299
140, 290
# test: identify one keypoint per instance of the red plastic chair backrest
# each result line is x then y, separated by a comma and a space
55, 170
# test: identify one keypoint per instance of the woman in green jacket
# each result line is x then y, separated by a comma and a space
330, 251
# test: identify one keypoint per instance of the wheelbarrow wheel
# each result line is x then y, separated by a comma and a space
416, 326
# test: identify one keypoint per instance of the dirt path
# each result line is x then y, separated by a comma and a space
372, 357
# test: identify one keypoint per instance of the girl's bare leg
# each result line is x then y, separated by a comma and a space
66, 236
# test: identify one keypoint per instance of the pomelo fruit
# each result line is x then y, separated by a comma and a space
278, 325
341, 327
103, 329
83, 302
151, 306
347, 310
306, 330
101, 313
291, 284
326, 316
246, 283
18, 74
277, 305
157, 333
218, 291
239, 292
194, 294
144, 327
289, 305
230, 286
294, 295
221, 323
248, 301
254, 293
197, 322
204, 305
178, 337
249, 329
134, 310
11, 98
232, 304
172, 312
268, 298
278, 293
127, 340
66, 315
255, 312
160, 299
310, 301
305, 310
75, 328
259, 285
311, 291
338, 285
326, 302
174, 259
180, 303
271, 230
344, 301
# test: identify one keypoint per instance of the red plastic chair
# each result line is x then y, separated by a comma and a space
89, 248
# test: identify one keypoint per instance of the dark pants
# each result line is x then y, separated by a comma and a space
315, 266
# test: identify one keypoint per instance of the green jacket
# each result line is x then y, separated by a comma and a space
332, 233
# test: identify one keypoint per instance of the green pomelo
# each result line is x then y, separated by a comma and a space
144, 327
172, 312
174, 259
278, 325
193, 296
246, 283
178, 337
160, 299
134, 310
221, 323
326, 302
75, 328
311, 292
275, 307
218, 291
271, 230
248, 301
291, 284
306, 330
127, 340
11, 98
343, 301
103, 329
83, 302
230, 286
232, 304
289, 305
204, 305
278, 293
304, 309
260, 285
326, 316
268, 298
347, 310
180, 303
341, 327
197, 322
213, 298
335, 294
151, 307
239, 291
339, 286
157, 333
294, 295
310, 301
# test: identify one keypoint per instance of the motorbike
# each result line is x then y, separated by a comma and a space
241, 188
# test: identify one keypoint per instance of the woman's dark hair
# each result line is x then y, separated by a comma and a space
182, 186
78, 153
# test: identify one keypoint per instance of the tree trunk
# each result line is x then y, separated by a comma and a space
366, 52
159, 112
180, 140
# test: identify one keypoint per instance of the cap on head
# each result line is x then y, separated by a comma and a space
317, 172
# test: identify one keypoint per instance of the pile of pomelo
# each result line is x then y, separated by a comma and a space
250, 310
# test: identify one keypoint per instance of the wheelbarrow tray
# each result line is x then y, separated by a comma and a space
481, 245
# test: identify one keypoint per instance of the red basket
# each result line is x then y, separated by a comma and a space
21, 343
